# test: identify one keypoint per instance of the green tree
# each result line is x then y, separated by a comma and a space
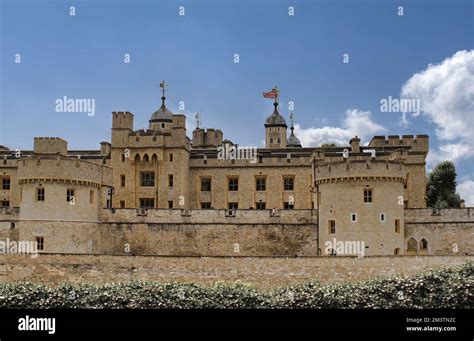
441, 187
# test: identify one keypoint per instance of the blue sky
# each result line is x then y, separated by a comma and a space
81, 56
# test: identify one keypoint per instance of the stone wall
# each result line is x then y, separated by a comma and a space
261, 272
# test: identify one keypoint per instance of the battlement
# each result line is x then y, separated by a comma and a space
122, 120
417, 142
50, 145
207, 138
361, 167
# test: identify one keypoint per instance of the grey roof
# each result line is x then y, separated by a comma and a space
292, 140
275, 119
162, 114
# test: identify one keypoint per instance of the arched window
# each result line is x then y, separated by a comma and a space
146, 158
154, 158
396, 251
123, 157
137, 158
423, 244
412, 246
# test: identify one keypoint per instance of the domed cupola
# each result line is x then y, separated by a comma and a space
292, 140
162, 115
275, 119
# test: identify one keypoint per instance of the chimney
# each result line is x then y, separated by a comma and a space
355, 144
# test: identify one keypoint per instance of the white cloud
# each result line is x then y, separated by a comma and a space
466, 191
446, 93
356, 122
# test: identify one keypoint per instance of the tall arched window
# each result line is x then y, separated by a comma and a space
154, 158
146, 158
137, 158
412, 246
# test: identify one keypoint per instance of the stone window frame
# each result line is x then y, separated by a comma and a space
233, 183
368, 195
170, 180
149, 182
201, 182
71, 195
262, 204
39, 243
291, 187
6, 183
150, 200
397, 226
331, 226
260, 178
384, 216
354, 217
43, 194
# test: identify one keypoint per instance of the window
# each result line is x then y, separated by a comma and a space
206, 184
382, 217
397, 225
123, 157
206, 205
279, 140
233, 184
288, 206
288, 183
147, 179
40, 194
260, 159
423, 244
5, 203
405, 204
170, 180
91, 197
6, 183
271, 140
122, 203
367, 195
147, 203
122, 180
39, 243
171, 157
261, 205
260, 184
170, 204
233, 205
331, 226
70, 196
353, 217
396, 251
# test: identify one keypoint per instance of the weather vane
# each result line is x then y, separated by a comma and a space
198, 120
163, 86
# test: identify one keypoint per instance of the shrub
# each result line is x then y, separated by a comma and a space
439, 288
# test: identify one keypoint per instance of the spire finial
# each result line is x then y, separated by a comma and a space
277, 93
198, 120
163, 86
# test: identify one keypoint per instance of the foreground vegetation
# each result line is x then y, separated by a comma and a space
439, 288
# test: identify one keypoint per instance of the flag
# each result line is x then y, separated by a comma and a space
270, 94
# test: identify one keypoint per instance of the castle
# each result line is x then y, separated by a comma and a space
158, 192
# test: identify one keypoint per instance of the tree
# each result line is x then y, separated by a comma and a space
328, 145
441, 187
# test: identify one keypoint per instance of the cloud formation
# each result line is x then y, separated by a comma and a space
356, 122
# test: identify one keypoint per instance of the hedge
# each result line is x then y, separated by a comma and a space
438, 288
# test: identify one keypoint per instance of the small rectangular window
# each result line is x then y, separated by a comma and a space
147, 179
70, 196
171, 157
261, 205
122, 180
5, 203
233, 184
288, 183
261, 184
122, 203
288, 206
382, 217
39, 243
6, 183
206, 205
206, 184
147, 203
170, 180
353, 217
170, 204
331, 226
91, 197
397, 225
367, 195
40, 194
233, 206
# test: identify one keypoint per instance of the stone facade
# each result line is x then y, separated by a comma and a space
158, 192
